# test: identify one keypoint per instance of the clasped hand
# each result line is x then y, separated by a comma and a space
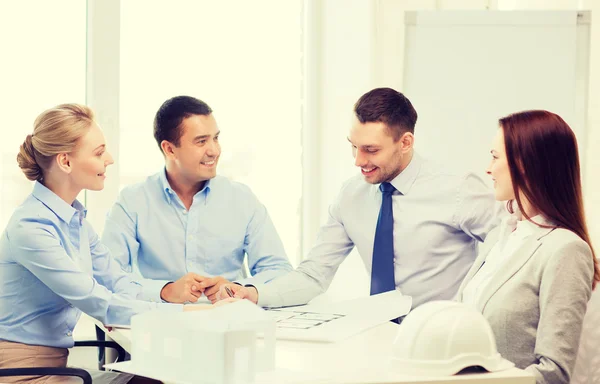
191, 287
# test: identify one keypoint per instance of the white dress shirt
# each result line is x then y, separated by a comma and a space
439, 217
514, 232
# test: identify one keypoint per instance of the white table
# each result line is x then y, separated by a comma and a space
363, 358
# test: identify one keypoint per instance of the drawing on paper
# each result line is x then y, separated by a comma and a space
285, 318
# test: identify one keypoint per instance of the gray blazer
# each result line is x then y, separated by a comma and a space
536, 304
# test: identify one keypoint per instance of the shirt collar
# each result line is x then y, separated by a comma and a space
516, 222
64, 211
166, 187
534, 224
405, 180
169, 192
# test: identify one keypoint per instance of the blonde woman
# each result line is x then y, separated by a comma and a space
52, 266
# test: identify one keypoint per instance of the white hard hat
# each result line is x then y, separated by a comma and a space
441, 338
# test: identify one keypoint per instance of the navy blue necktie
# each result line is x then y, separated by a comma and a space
382, 271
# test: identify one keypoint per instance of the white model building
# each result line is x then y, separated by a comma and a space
224, 345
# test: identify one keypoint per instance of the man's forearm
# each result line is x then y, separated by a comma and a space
294, 288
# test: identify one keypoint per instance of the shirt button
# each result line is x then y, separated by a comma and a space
184, 212
69, 333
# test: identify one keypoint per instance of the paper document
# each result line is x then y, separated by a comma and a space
332, 322
300, 319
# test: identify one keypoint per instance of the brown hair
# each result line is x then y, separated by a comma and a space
388, 106
543, 159
170, 115
56, 130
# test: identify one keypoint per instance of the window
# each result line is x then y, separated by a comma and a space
43, 64
243, 59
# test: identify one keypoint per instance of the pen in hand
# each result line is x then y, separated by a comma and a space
229, 292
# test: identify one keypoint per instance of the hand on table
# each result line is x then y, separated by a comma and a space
186, 289
211, 285
239, 292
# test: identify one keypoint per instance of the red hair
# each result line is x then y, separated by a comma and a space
543, 159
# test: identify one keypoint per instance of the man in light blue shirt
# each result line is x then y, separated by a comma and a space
185, 231
434, 217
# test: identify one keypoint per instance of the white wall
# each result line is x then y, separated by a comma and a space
342, 74
362, 48
390, 45
103, 95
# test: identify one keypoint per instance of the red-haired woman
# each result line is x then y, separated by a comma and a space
534, 274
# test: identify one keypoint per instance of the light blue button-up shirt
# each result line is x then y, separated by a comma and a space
154, 237
52, 267
439, 218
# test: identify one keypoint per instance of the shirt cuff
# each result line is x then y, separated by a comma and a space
244, 282
267, 296
151, 290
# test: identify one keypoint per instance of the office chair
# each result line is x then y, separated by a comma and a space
102, 344
77, 372
81, 373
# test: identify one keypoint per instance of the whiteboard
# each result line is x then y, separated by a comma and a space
463, 70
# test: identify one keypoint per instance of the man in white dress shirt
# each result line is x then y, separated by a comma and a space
416, 225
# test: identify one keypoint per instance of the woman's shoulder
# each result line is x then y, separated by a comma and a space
561, 239
563, 249
32, 214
